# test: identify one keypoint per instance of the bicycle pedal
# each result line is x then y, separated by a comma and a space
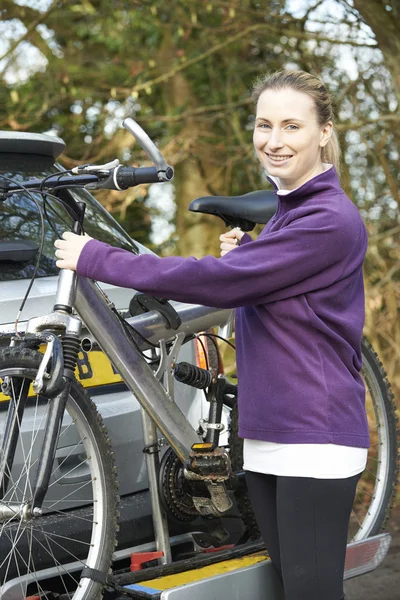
208, 464
204, 506
218, 503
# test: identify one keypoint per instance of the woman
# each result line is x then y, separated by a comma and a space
299, 294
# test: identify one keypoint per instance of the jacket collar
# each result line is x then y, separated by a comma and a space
327, 181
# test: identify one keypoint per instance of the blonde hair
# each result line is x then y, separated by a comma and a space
304, 82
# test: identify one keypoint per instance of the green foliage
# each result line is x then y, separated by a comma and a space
183, 68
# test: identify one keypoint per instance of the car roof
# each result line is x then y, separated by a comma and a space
22, 142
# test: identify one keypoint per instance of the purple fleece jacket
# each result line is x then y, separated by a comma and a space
299, 294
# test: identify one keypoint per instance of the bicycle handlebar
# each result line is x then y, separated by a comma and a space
119, 178
111, 176
122, 178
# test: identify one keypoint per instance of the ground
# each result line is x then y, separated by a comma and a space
384, 582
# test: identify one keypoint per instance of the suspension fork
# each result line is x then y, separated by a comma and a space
71, 345
61, 316
50, 439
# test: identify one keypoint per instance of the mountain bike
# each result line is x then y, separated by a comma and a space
194, 473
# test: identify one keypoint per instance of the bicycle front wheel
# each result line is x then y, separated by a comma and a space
45, 554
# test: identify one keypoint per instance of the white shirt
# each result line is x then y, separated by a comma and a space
321, 461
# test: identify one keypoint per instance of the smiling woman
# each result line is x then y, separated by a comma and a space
293, 133
296, 487
299, 298
290, 148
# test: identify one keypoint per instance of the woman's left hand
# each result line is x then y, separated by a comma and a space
230, 240
69, 249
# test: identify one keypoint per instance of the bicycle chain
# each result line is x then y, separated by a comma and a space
176, 491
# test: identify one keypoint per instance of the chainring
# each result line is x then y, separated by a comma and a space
176, 491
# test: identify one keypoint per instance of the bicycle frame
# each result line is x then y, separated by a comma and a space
133, 368
94, 310
158, 410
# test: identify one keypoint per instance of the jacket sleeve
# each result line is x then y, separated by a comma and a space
311, 252
246, 238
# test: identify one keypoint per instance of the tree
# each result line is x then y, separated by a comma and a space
186, 78
383, 17
178, 80
184, 69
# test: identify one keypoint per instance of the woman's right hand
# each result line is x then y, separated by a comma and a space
230, 240
69, 249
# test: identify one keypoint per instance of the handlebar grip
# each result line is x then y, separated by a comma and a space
126, 177
122, 178
152, 174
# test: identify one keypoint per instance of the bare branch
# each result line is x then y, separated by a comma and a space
30, 28
197, 111
259, 27
312, 8
319, 38
381, 236
359, 124
200, 57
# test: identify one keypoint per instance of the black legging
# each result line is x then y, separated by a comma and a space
304, 523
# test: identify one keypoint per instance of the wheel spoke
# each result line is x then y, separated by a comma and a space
356, 517
14, 545
67, 457
362, 503
17, 403
50, 552
49, 539
75, 517
28, 569
52, 535
65, 498
371, 473
364, 491
69, 472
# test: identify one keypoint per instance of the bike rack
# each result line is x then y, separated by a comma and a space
246, 570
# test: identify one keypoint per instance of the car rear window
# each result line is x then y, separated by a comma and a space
20, 219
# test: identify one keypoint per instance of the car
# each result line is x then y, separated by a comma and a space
25, 156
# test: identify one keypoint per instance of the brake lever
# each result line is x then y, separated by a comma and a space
103, 169
149, 147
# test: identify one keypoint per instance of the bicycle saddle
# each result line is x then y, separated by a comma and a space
239, 211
